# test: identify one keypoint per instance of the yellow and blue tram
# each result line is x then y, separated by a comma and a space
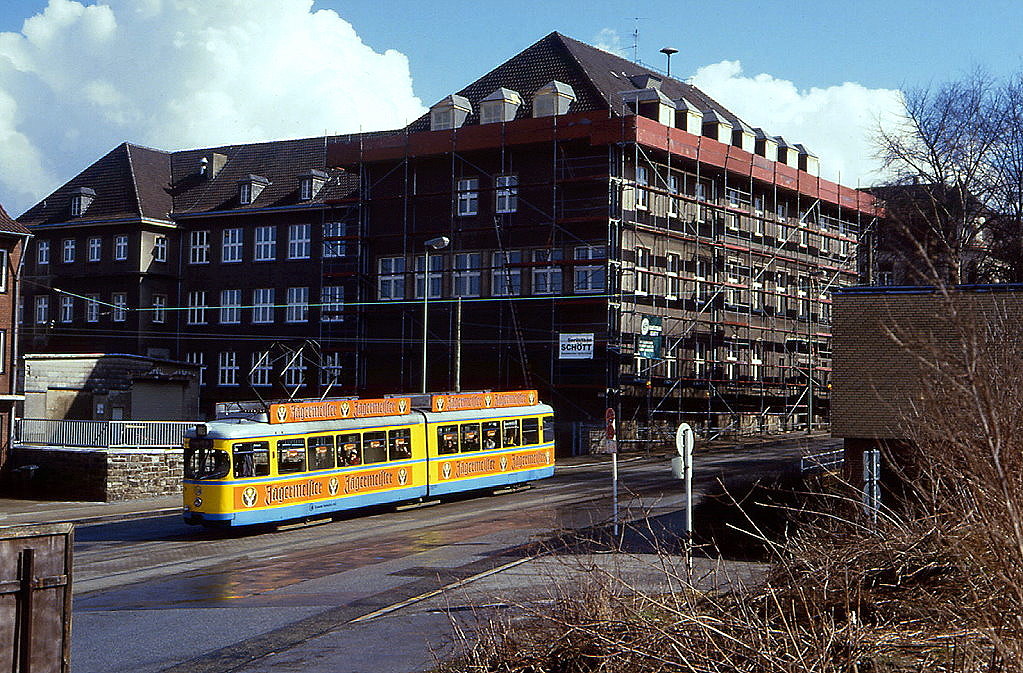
300, 460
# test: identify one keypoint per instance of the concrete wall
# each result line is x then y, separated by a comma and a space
105, 475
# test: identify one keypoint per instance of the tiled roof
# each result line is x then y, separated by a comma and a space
596, 76
281, 162
130, 181
7, 223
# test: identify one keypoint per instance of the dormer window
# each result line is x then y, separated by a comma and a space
554, 98
500, 106
309, 184
81, 199
650, 103
449, 113
250, 188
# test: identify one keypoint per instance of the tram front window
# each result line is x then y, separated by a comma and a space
202, 461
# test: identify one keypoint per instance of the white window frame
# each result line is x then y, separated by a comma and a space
92, 308
159, 312
227, 368
198, 358
330, 372
160, 248
642, 183
68, 247
196, 314
391, 278
95, 253
42, 309
231, 241
297, 309
299, 241
263, 306
120, 304
699, 360
244, 193
468, 196
331, 231
265, 249
43, 253
642, 270
435, 276
505, 281
230, 307
507, 193
466, 274
67, 309
673, 192
590, 278
199, 246
294, 374
673, 264
120, 248
547, 279
262, 368
332, 303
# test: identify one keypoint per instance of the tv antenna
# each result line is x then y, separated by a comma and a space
635, 36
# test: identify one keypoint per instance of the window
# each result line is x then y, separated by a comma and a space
673, 192
330, 373
391, 278
505, 279
43, 253
673, 263
510, 432
69, 250
196, 307
471, 437
121, 248
231, 246
245, 193
95, 248
333, 243
435, 273
756, 360
700, 191
198, 247
699, 360
160, 249
466, 274
399, 444
266, 244
492, 435
120, 302
198, 358
290, 455
530, 431
259, 374
294, 374
67, 309
159, 313
547, 278
263, 305
548, 429
42, 310
589, 278
92, 308
781, 210
227, 368
507, 193
642, 182
349, 450
298, 241
320, 452
251, 459
298, 305
468, 196
374, 447
230, 307
447, 439
332, 303
305, 189
642, 271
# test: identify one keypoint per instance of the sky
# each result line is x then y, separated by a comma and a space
78, 77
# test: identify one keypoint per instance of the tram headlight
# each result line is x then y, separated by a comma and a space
197, 503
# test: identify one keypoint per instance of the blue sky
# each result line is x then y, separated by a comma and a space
187, 73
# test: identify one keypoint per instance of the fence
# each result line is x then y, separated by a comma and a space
101, 434
827, 461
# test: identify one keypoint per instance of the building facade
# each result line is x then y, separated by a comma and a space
571, 221
13, 238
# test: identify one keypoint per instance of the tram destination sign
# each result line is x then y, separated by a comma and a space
329, 410
487, 400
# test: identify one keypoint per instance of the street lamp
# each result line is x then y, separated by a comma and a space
668, 51
438, 243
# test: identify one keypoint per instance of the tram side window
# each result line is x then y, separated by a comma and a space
251, 459
321, 452
548, 429
374, 447
349, 450
290, 455
530, 431
470, 437
511, 432
492, 435
399, 444
447, 439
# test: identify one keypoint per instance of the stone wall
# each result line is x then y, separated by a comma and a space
104, 475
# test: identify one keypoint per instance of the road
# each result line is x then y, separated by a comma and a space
156, 595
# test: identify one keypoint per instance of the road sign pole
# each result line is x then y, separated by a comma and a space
611, 437
684, 441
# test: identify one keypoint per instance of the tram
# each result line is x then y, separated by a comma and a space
307, 459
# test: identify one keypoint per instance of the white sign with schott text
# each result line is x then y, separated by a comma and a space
575, 346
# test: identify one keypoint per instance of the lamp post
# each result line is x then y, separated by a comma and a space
668, 51
438, 243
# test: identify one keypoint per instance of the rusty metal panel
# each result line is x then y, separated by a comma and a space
35, 598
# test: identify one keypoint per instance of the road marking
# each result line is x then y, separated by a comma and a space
430, 594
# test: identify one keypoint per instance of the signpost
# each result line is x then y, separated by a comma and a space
611, 446
682, 468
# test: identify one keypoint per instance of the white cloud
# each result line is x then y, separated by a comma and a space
609, 40
837, 123
81, 78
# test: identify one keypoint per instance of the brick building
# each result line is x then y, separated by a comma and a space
13, 237
567, 194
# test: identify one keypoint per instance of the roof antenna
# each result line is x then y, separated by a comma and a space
668, 51
635, 37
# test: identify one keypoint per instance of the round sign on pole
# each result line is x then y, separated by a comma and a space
609, 416
684, 440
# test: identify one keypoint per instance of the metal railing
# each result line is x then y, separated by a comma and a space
101, 434
827, 461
